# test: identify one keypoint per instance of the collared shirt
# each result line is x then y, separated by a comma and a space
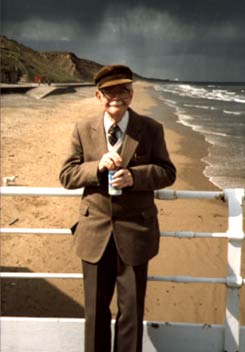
122, 124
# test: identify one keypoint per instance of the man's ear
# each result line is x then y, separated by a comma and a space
98, 94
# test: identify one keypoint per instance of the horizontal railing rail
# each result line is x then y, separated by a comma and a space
62, 192
235, 236
181, 279
45, 231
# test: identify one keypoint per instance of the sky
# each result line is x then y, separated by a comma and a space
197, 40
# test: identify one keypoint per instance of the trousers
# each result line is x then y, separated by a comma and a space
100, 280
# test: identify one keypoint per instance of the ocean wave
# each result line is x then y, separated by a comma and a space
210, 93
214, 133
240, 100
188, 120
169, 102
204, 107
223, 182
236, 113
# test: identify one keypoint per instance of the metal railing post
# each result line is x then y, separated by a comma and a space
234, 280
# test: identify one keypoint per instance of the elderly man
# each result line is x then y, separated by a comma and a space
117, 233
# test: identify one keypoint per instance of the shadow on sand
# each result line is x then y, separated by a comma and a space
35, 298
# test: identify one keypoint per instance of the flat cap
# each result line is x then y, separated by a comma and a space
112, 75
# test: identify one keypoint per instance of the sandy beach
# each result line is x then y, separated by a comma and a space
35, 136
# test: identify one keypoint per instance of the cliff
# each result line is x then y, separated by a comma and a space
20, 63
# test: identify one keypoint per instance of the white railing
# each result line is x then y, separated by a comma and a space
234, 234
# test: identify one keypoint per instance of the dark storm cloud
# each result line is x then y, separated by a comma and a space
188, 10
188, 38
14, 10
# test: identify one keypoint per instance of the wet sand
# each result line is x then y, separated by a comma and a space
35, 136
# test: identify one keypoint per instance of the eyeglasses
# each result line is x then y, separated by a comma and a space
111, 92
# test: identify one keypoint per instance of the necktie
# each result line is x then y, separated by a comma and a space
113, 134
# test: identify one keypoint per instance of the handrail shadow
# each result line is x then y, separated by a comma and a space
35, 298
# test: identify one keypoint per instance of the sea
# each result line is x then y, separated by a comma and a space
216, 111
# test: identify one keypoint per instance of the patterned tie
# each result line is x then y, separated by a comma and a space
112, 134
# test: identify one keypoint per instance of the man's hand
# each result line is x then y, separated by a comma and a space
122, 178
110, 161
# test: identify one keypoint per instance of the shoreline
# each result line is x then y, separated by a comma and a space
191, 149
193, 146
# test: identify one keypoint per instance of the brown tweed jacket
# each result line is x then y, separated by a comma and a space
131, 217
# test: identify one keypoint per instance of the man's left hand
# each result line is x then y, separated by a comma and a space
122, 178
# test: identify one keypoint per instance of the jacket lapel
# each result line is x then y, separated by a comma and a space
99, 137
130, 143
131, 139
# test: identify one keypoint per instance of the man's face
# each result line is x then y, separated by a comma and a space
115, 99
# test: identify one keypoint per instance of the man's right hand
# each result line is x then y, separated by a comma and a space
110, 161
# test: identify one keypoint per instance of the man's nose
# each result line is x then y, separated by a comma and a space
116, 96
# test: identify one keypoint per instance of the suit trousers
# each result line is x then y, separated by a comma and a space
100, 280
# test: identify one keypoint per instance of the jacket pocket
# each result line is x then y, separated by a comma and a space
84, 211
